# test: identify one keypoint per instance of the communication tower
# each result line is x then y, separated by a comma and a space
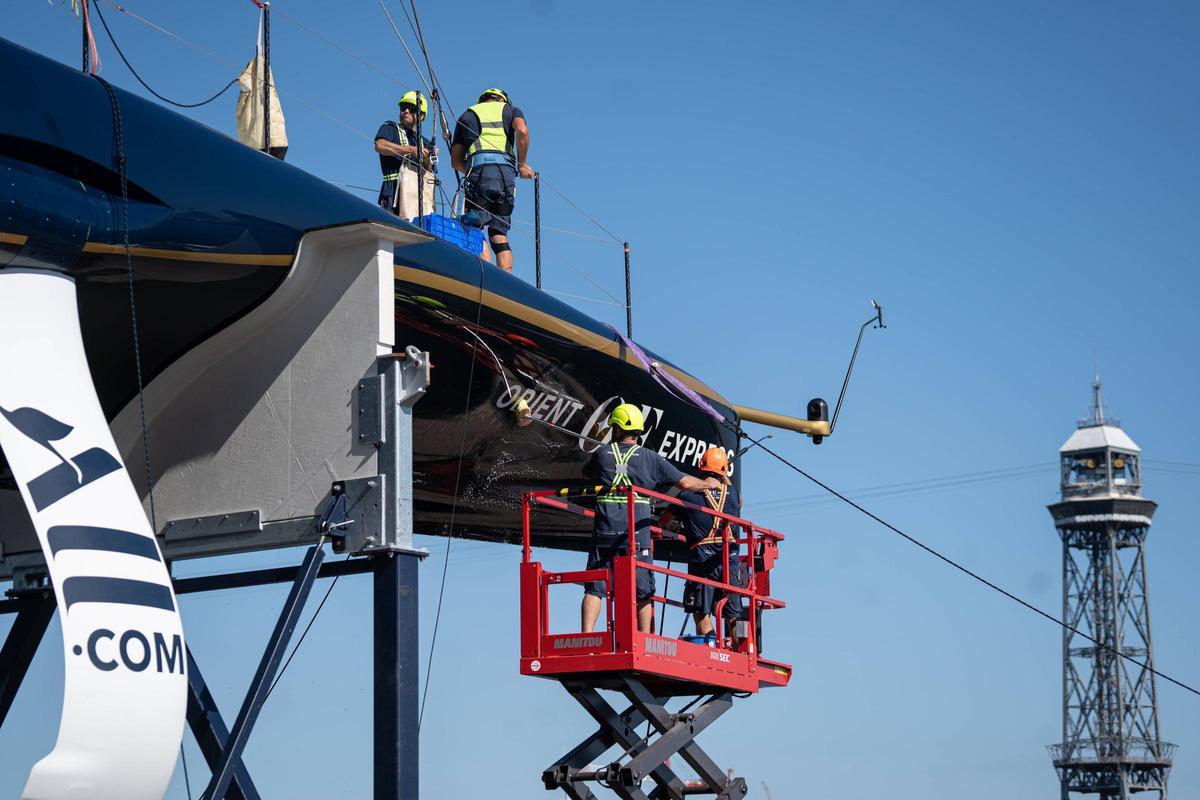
1111, 744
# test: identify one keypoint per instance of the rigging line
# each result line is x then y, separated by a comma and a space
577, 271
582, 297
421, 43
462, 443
564, 230
147, 86
817, 500
396, 30
951, 562
917, 483
173, 35
335, 45
1170, 463
575, 205
307, 627
187, 782
123, 172
433, 77
224, 60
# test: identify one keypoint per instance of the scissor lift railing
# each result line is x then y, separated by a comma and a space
647, 668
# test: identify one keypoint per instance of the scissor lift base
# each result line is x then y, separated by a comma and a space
674, 733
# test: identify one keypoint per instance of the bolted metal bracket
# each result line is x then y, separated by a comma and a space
29, 580
385, 404
414, 375
353, 518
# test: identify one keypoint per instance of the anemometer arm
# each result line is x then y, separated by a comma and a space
818, 424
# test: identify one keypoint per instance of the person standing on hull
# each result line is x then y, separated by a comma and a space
706, 535
396, 144
626, 463
490, 145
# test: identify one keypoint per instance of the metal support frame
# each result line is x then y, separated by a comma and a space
402, 381
33, 617
208, 726
643, 757
264, 676
372, 517
1112, 743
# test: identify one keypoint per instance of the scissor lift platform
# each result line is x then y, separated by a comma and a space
648, 669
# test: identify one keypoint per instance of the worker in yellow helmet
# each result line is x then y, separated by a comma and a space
620, 464
490, 145
396, 144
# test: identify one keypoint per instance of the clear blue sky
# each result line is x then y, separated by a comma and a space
1017, 182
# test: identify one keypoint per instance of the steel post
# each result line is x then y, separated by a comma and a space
266, 77
628, 297
397, 698
537, 228
420, 170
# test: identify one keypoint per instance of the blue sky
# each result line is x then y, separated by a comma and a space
1016, 182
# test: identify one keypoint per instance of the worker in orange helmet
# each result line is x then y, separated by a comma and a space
706, 535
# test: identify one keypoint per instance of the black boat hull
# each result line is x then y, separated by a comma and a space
216, 234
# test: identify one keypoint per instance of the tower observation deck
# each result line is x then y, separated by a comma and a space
1111, 744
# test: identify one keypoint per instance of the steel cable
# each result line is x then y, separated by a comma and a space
966, 571
462, 443
147, 86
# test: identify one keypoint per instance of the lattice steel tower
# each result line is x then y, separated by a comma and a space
1111, 744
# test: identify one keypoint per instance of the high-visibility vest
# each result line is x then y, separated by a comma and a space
621, 479
715, 499
493, 137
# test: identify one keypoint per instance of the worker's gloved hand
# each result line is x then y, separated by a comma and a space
525, 171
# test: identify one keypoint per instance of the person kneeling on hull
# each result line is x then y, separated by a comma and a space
626, 463
706, 535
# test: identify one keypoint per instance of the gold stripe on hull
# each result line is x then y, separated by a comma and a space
249, 259
547, 322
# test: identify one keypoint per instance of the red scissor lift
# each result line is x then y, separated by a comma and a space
648, 669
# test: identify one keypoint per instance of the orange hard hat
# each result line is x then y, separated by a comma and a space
716, 461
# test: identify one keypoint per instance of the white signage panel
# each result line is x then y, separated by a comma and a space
125, 693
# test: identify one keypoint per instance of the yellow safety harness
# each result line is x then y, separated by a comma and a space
621, 479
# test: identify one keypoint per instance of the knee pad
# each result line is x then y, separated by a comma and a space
500, 247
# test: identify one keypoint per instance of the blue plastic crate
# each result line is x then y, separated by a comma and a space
451, 230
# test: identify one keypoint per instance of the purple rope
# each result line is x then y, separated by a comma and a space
666, 379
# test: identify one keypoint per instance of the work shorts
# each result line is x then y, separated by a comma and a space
606, 547
700, 598
490, 191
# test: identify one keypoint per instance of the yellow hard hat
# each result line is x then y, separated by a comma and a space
410, 99
627, 417
496, 92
